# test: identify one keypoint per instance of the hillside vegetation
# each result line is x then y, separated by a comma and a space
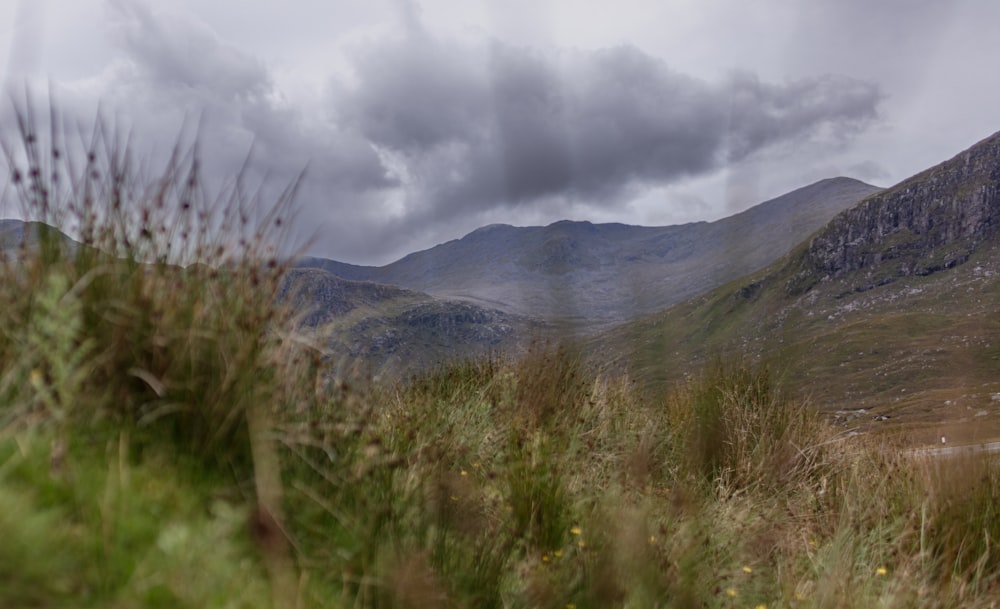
167, 439
885, 318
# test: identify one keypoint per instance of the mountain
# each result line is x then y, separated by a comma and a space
590, 274
395, 332
889, 313
18, 234
11, 234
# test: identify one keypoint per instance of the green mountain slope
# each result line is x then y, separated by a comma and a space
890, 314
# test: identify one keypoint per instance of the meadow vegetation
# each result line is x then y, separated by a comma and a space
169, 437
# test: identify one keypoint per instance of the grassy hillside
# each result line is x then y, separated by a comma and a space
168, 439
922, 351
885, 320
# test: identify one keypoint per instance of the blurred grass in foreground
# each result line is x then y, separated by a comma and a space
167, 439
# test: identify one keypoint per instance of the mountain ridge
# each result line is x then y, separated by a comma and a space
604, 273
952, 205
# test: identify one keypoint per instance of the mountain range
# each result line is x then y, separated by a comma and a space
882, 307
586, 274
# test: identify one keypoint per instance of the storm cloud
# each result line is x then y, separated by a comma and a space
178, 68
496, 125
419, 135
174, 76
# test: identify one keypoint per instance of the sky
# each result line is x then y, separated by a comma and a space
417, 121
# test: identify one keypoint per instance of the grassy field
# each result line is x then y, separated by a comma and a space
167, 439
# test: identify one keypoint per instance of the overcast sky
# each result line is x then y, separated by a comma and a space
419, 121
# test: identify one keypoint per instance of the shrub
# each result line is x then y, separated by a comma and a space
735, 429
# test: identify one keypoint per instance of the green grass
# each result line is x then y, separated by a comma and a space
905, 349
167, 439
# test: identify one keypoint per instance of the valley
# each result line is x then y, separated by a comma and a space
245, 429
881, 309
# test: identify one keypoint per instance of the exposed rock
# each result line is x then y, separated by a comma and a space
321, 296
394, 331
930, 222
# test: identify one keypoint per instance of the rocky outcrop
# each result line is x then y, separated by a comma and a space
321, 297
396, 332
930, 222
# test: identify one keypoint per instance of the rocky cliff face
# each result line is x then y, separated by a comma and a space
930, 222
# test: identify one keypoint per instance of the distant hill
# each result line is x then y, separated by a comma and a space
11, 233
600, 273
393, 332
15, 234
890, 312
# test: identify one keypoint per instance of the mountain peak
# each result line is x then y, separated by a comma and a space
489, 228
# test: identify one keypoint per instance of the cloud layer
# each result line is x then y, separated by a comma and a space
430, 133
478, 127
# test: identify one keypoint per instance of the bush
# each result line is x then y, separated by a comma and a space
736, 430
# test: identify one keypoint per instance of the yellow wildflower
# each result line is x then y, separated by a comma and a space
747, 570
576, 530
881, 571
730, 591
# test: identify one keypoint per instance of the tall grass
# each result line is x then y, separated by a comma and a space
168, 438
156, 321
738, 430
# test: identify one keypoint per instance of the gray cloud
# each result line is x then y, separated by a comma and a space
176, 71
178, 68
869, 171
495, 125
184, 56
432, 135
